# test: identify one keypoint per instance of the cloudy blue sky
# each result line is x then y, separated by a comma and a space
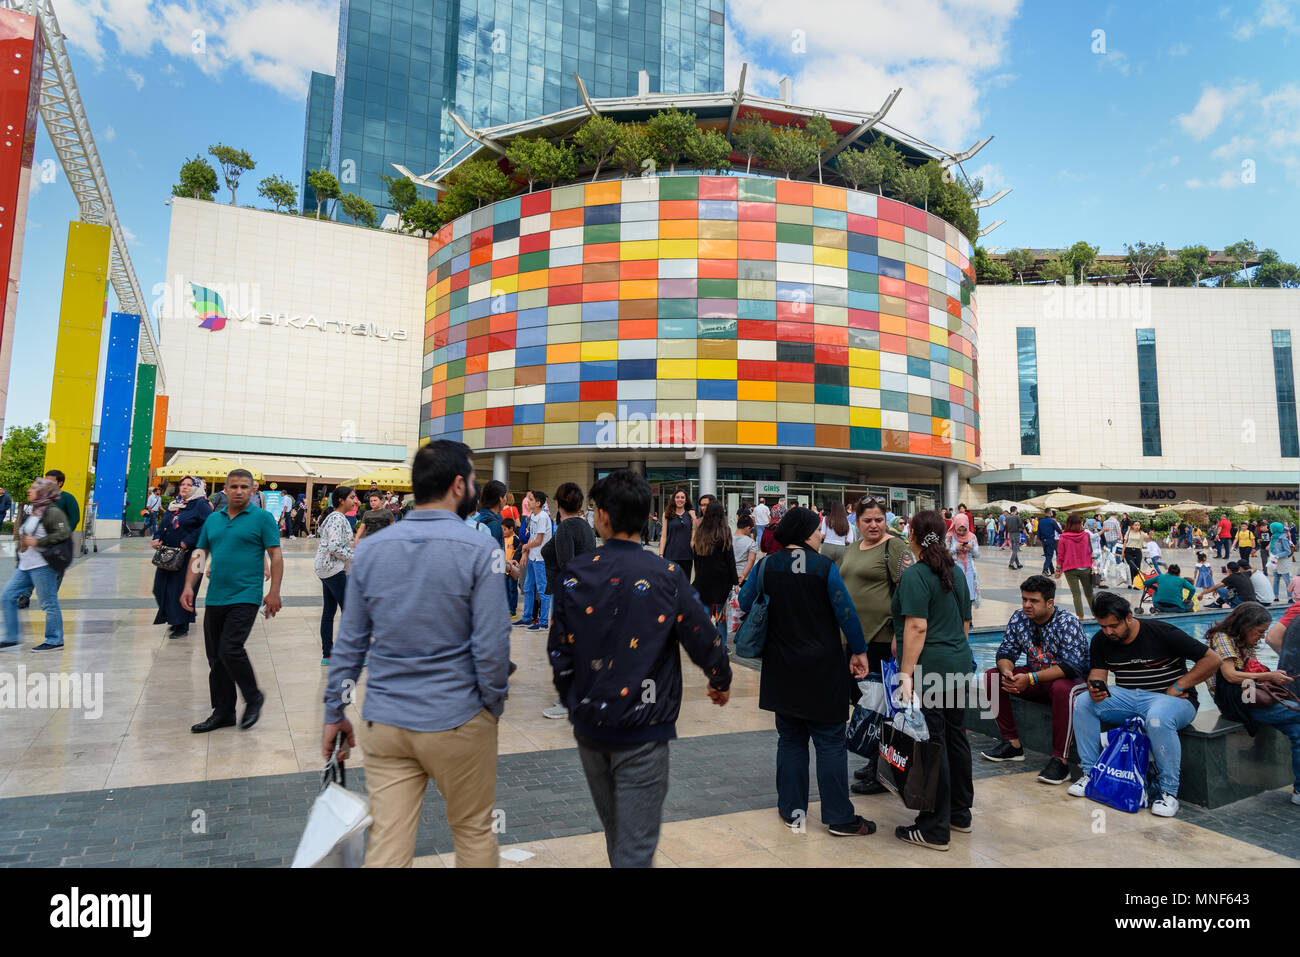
1164, 121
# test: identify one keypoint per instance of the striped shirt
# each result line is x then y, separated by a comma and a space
1153, 661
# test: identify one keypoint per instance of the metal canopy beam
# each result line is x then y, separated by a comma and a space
740, 96
855, 133
65, 120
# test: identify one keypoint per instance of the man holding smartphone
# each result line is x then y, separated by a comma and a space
235, 539
1149, 659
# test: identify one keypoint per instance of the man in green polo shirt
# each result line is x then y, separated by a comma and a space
235, 539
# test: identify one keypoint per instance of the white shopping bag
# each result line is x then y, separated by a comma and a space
336, 827
734, 615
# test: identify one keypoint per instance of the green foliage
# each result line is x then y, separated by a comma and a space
198, 179
990, 270
22, 460
914, 186
633, 149
597, 140
823, 137
1172, 271
542, 159
1143, 256
422, 217
481, 181
792, 150
1273, 272
1020, 261
708, 150
325, 185
1057, 269
234, 163
882, 164
1082, 259
1240, 254
752, 136
854, 166
1196, 260
952, 202
280, 191
1109, 270
668, 131
358, 209
401, 194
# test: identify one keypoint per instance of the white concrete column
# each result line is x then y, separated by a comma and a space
637, 466
501, 467
708, 471
950, 486
787, 471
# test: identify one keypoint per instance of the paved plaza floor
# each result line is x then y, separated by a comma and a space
133, 786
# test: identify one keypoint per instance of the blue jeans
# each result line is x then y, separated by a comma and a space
1232, 601
1163, 714
535, 583
1155, 563
46, 584
1049, 552
1286, 720
832, 769
512, 594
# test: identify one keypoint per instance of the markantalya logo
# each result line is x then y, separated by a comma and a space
209, 305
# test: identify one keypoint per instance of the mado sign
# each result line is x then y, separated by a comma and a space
1157, 494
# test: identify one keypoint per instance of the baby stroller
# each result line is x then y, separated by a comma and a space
1113, 568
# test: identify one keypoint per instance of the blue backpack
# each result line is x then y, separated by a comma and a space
752, 635
1119, 778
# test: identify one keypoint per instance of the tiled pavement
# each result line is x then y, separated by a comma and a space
124, 789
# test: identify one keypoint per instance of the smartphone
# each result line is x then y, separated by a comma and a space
1098, 685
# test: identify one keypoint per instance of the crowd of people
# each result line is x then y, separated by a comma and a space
425, 597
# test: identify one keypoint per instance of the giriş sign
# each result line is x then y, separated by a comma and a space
210, 308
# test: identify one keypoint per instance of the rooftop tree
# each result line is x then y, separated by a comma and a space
1020, 261
401, 194
823, 137
1173, 271
358, 209
1273, 271
324, 185
1082, 258
633, 150
198, 179
1241, 253
708, 150
791, 150
279, 191
234, 163
596, 140
1196, 260
668, 131
1143, 256
752, 137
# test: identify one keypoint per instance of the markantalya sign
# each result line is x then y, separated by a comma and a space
210, 308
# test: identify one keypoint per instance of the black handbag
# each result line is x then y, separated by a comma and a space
909, 768
170, 558
59, 555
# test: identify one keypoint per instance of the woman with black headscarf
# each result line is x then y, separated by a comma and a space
179, 528
805, 679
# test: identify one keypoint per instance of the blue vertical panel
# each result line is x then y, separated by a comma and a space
115, 415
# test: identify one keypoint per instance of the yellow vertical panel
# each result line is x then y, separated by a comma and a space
76, 355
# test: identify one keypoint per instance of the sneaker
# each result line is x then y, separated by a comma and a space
46, 646
9, 644
791, 822
1295, 797
556, 711
538, 626
1167, 806
864, 772
864, 787
1055, 773
962, 828
1078, 788
912, 835
1005, 751
857, 827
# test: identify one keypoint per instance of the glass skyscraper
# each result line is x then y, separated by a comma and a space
316, 138
404, 66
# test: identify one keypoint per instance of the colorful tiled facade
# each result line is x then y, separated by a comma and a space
729, 311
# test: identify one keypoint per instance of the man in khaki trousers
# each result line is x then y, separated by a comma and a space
428, 589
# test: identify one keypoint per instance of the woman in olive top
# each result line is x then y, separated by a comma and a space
931, 607
1134, 539
675, 540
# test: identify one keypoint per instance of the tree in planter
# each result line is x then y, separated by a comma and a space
792, 150
401, 194
198, 181
527, 156
358, 209
1109, 270
752, 137
953, 202
1083, 258
1020, 261
1273, 271
990, 270
422, 217
853, 166
708, 151
914, 187
1057, 269
596, 140
558, 162
279, 191
884, 166
1173, 271
823, 137
481, 180
1196, 260
633, 150
325, 185
1143, 257
668, 131
1240, 254
234, 163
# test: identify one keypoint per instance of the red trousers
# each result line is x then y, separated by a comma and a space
1060, 692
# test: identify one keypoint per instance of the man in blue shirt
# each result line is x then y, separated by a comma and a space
1049, 530
428, 590
234, 539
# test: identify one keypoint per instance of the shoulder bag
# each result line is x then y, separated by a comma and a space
170, 558
752, 635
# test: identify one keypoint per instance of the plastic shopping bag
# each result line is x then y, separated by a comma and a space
335, 835
1119, 778
889, 677
863, 736
907, 765
734, 615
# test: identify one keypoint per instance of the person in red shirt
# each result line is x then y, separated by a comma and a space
1224, 540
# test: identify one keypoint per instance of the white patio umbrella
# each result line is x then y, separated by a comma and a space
1006, 505
1119, 508
1186, 506
1059, 498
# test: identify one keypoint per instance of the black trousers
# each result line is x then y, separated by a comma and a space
333, 589
225, 630
956, 791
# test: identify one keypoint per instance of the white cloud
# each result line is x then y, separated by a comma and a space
1235, 147
1118, 61
1002, 80
939, 51
1179, 49
1269, 15
1228, 179
135, 78
110, 133
1210, 109
1282, 116
274, 42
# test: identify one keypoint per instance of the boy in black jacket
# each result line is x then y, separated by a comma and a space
620, 613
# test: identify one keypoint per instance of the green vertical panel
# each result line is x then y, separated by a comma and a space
137, 472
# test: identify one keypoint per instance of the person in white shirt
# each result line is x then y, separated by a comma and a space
761, 516
1153, 553
1264, 593
151, 504
540, 530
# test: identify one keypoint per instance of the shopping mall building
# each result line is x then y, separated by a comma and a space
740, 334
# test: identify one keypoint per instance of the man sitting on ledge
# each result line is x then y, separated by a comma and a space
1170, 589
1056, 653
1149, 659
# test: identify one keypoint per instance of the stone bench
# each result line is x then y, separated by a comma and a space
1221, 762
